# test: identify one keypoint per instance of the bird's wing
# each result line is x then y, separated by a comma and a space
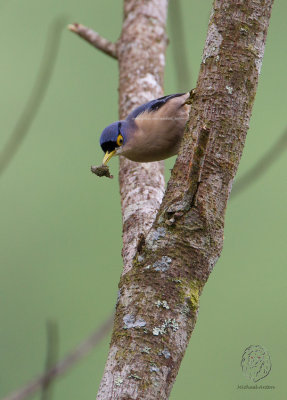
152, 105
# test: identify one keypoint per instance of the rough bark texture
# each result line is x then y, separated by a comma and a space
159, 291
141, 54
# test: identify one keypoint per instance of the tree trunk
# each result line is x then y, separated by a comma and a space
141, 54
165, 273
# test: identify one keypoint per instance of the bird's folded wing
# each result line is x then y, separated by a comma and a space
152, 105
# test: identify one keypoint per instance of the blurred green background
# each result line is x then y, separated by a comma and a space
61, 226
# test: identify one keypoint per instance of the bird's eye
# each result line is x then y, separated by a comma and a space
120, 140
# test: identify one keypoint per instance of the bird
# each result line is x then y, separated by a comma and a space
151, 132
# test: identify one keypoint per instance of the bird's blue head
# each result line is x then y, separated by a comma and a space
112, 138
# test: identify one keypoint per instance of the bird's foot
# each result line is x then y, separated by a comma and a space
189, 100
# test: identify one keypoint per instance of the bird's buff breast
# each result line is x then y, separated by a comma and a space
156, 139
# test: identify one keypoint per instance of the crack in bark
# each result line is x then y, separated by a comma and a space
185, 240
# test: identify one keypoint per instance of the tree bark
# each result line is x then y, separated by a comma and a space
165, 274
141, 54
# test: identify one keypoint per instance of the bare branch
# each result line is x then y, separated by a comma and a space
141, 52
160, 291
262, 165
51, 357
37, 94
63, 366
94, 39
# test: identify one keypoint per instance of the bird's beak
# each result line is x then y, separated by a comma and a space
108, 156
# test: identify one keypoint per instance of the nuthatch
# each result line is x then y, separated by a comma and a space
151, 132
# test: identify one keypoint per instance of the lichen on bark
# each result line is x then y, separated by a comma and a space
181, 244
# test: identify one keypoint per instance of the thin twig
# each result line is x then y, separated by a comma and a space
262, 165
178, 46
37, 94
51, 358
94, 39
63, 366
